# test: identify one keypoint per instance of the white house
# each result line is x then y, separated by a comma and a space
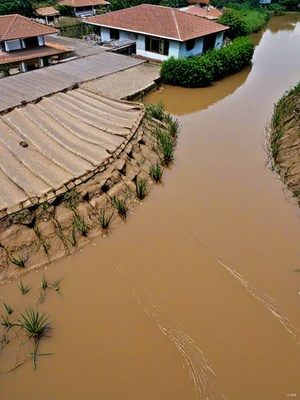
159, 32
22, 43
47, 15
83, 8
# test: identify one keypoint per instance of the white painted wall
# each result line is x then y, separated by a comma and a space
219, 40
140, 49
198, 49
105, 35
12, 45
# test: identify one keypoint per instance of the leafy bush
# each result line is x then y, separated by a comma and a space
65, 11
277, 9
255, 20
213, 65
234, 19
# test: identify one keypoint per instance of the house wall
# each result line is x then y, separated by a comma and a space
219, 40
141, 51
105, 35
176, 49
196, 50
84, 11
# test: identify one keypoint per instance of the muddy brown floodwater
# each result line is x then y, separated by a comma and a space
196, 296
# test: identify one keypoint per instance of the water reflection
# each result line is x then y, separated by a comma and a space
285, 22
181, 101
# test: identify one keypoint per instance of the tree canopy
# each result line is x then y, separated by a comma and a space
22, 7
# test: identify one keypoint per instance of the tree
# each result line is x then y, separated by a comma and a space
236, 23
22, 7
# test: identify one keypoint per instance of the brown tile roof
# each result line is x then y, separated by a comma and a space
46, 11
83, 3
16, 26
158, 21
50, 49
210, 13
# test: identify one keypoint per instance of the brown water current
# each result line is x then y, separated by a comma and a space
196, 296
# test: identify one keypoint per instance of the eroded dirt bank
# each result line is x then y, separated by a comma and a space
284, 140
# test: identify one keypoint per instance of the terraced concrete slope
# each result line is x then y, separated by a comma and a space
48, 147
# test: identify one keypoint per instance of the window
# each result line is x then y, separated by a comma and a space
190, 44
155, 45
114, 34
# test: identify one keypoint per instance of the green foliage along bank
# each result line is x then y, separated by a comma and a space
243, 21
201, 71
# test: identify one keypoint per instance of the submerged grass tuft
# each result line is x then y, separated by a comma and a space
20, 260
24, 289
80, 224
141, 188
34, 323
156, 172
165, 146
104, 219
120, 204
8, 309
155, 111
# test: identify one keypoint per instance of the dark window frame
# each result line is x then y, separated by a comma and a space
190, 44
157, 45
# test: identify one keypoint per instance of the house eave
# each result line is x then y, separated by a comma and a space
150, 34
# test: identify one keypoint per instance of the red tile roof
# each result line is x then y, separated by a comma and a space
16, 26
158, 21
210, 13
47, 11
83, 3
50, 49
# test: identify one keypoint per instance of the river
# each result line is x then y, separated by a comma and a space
196, 296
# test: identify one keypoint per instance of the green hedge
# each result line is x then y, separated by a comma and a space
201, 71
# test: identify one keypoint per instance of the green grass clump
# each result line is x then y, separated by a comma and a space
120, 204
20, 260
24, 289
141, 188
165, 146
34, 323
155, 111
156, 172
105, 219
80, 224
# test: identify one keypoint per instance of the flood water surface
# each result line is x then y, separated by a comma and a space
196, 296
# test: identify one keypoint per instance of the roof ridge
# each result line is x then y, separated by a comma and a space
10, 25
176, 24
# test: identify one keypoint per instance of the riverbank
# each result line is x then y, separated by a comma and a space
53, 229
284, 141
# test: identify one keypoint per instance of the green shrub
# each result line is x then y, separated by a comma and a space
234, 19
201, 71
65, 11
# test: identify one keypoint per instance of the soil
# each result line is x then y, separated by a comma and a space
41, 234
284, 141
